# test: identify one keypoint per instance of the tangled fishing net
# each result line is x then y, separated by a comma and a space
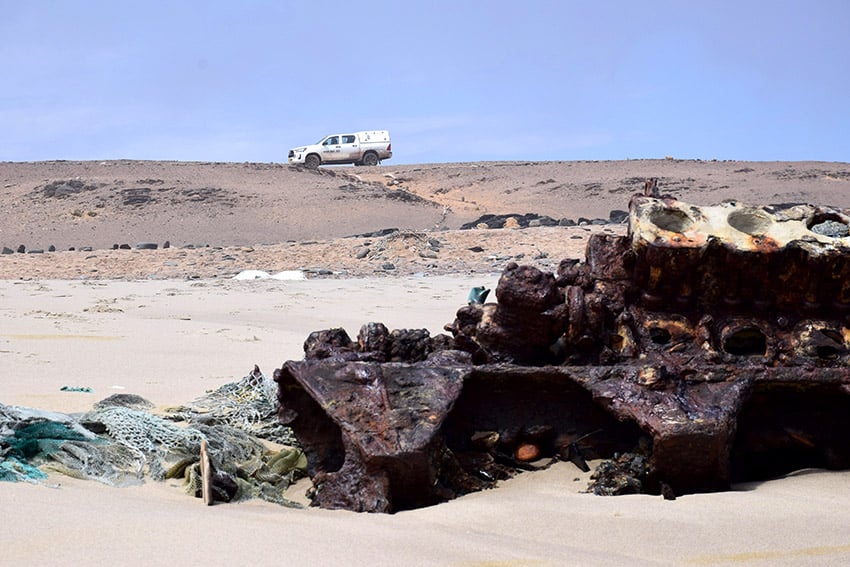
121, 441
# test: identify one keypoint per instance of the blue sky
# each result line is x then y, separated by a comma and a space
452, 80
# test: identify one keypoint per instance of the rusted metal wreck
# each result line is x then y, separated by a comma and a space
705, 347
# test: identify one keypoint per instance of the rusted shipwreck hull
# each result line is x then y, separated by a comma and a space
710, 343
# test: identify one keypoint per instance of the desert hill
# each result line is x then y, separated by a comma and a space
97, 205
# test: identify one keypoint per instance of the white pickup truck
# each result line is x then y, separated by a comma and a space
359, 148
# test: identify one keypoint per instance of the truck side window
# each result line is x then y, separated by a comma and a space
332, 141
348, 139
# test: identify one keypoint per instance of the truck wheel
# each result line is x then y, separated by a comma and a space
371, 158
312, 161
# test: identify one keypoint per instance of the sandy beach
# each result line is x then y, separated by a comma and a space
172, 324
169, 341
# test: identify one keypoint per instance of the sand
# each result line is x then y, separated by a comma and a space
172, 335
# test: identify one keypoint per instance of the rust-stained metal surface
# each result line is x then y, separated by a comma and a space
709, 344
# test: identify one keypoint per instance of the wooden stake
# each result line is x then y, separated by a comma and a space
206, 475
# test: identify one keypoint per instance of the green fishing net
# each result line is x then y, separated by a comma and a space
121, 441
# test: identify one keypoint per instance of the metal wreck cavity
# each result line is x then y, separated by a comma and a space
708, 345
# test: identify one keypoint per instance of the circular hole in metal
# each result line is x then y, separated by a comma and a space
753, 223
659, 336
827, 351
673, 220
748, 341
829, 224
831, 344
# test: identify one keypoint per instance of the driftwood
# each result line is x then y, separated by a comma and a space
206, 475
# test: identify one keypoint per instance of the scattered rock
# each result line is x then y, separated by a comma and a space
527, 452
501, 221
831, 228
624, 474
618, 216
318, 271
147, 246
375, 234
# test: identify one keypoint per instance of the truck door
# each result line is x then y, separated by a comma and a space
331, 149
350, 147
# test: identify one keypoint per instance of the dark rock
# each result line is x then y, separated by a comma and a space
7, 250
62, 189
566, 222
667, 492
318, 271
498, 221
136, 196
166, 244
35, 251
388, 266
375, 234
125, 247
147, 246
22, 249
328, 343
617, 216
51, 248
625, 474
